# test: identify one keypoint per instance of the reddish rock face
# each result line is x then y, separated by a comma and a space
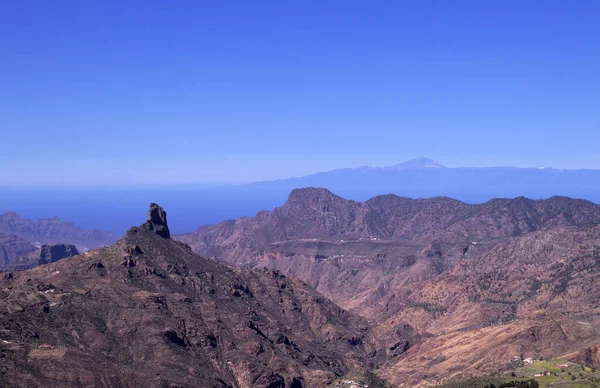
514, 275
318, 214
358, 252
589, 356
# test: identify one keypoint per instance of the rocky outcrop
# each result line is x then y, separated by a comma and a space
52, 253
157, 221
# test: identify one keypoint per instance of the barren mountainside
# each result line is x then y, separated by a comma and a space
536, 295
317, 213
147, 311
515, 275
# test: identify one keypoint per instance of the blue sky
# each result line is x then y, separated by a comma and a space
195, 91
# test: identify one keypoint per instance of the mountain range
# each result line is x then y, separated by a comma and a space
425, 177
322, 291
316, 213
515, 275
116, 208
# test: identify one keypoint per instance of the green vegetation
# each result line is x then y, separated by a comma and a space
561, 373
551, 373
492, 382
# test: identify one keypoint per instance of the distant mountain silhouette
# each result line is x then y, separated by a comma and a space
416, 164
424, 177
54, 231
420, 163
12, 247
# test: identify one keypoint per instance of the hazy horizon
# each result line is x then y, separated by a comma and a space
208, 184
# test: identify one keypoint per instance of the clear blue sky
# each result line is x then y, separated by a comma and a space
197, 91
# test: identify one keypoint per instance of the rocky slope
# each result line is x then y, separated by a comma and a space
317, 213
352, 251
147, 311
534, 296
53, 231
478, 284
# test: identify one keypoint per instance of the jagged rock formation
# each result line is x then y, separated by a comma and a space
157, 221
454, 289
54, 231
147, 311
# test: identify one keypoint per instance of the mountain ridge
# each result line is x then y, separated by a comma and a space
53, 230
308, 198
423, 177
456, 273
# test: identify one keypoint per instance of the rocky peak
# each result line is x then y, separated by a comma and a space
418, 163
310, 196
52, 253
157, 221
